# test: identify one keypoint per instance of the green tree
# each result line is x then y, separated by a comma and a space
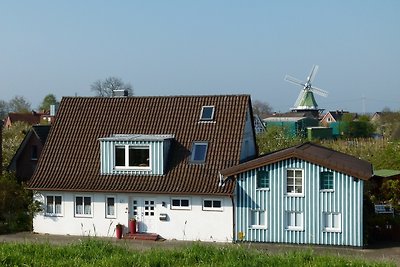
16, 206
4, 109
12, 138
48, 100
19, 104
276, 138
105, 88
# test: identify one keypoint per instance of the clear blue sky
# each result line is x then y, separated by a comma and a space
204, 47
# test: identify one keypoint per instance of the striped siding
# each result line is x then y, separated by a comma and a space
157, 154
346, 198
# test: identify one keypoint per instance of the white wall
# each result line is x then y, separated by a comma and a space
193, 224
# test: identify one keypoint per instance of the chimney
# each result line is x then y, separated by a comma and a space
120, 93
53, 109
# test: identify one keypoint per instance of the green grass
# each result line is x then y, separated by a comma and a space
99, 253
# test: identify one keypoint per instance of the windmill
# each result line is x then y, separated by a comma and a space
306, 100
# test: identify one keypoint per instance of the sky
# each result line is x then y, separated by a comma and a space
205, 47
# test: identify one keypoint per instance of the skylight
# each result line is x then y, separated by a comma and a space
199, 152
207, 113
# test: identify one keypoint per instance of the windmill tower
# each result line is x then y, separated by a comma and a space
306, 101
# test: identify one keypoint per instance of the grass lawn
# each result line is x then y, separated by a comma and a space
100, 253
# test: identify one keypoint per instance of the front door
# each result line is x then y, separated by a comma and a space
144, 211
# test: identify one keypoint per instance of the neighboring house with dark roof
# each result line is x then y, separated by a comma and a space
31, 118
306, 194
27, 155
152, 159
332, 116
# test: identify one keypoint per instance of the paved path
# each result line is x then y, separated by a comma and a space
382, 252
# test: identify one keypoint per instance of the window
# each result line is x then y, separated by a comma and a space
53, 205
332, 221
258, 219
326, 180
294, 220
199, 152
212, 204
180, 203
83, 206
294, 182
34, 152
207, 113
110, 207
262, 179
128, 156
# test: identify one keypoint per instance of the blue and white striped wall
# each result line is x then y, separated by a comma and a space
346, 198
158, 156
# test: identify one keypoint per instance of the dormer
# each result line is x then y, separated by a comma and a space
134, 154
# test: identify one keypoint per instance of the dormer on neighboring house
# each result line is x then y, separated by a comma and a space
135, 154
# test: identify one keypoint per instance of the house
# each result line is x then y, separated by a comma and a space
333, 116
152, 159
295, 123
32, 118
306, 194
27, 155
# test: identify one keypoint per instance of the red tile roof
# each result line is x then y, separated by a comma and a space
312, 153
30, 118
70, 160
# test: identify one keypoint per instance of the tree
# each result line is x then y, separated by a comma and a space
12, 138
19, 104
4, 109
48, 100
105, 88
276, 138
261, 109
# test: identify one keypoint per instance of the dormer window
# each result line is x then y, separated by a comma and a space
199, 152
207, 113
135, 154
131, 156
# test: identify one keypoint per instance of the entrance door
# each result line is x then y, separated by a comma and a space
144, 211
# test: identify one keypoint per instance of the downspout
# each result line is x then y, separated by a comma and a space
234, 239
233, 219
1, 147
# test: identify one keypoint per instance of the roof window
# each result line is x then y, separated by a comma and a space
207, 113
199, 152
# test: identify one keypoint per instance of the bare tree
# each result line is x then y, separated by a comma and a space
19, 104
105, 88
262, 109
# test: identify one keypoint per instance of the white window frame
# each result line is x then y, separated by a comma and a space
294, 220
258, 215
208, 118
127, 167
83, 214
198, 143
333, 182
257, 177
54, 213
180, 207
328, 222
113, 216
295, 194
212, 208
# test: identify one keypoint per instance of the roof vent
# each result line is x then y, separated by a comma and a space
120, 93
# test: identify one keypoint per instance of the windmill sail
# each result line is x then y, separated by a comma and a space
306, 100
